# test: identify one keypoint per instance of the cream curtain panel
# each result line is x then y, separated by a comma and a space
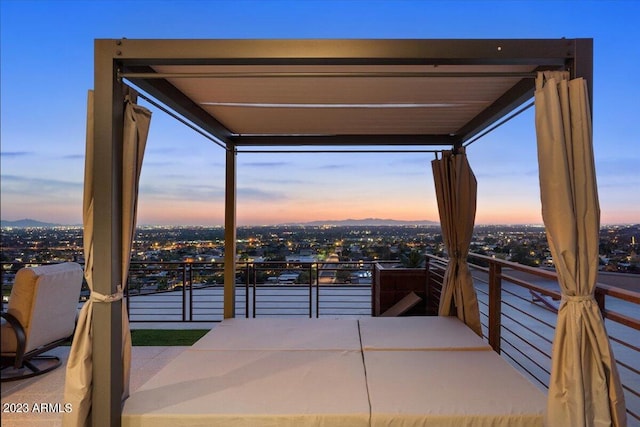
78, 382
456, 192
584, 388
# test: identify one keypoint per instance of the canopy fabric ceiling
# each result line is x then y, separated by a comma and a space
343, 92
343, 100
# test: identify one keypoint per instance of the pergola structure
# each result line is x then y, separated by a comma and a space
338, 93
439, 94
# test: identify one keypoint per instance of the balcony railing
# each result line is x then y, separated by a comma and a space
193, 291
165, 292
518, 309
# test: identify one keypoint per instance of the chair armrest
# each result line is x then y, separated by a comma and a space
21, 336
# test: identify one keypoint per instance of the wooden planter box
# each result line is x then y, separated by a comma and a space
391, 284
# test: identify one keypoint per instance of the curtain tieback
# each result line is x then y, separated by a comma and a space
578, 298
98, 297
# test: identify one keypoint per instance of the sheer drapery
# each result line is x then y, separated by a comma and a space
78, 381
456, 192
584, 388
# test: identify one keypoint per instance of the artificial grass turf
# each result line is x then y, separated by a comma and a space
166, 337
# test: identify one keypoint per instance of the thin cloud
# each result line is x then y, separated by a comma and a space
413, 160
618, 166
202, 192
180, 176
170, 151
510, 174
409, 172
256, 194
16, 153
157, 163
37, 186
188, 192
616, 182
266, 164
334, 166
286, 181
176, 176
40, 193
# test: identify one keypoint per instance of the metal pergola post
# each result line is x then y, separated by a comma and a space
582, 65
107, 318
230, 234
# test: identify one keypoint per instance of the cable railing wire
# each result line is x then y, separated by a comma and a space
527, 328
519, 364
529, 315
526, 356
624, 343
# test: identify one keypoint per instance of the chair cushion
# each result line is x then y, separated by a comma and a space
20, 306
44, 300
8, 338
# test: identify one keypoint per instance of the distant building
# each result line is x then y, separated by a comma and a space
302, 256
288, 278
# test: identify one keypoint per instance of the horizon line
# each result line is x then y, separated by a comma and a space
317, 223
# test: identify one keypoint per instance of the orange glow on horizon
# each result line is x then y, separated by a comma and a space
159, 212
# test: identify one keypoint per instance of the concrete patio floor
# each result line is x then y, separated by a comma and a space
49, 388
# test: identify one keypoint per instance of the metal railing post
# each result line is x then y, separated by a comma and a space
246, 291
254, 298
317, 290
184, 293
190, 290
247, 280
372, 269
495, 305
600, 297
310, 293
428, 291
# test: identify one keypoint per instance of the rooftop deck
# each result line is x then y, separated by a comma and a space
524, 338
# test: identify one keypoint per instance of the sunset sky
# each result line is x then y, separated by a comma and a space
47, 67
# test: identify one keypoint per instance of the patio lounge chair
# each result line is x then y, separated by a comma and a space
41, 315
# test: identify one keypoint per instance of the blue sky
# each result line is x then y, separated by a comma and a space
47, 67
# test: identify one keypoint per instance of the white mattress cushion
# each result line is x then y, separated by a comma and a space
253, 389
418, 333
282, 334
450, 389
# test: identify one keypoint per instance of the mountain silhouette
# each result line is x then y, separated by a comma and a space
27, 223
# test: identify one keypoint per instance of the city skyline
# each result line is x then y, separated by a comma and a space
47, 68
